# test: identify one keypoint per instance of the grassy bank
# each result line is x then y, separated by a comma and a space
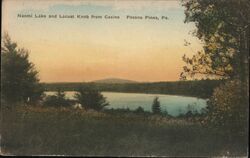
51, 131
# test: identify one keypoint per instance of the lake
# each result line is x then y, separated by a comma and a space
173, 104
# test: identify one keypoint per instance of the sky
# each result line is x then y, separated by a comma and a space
82, 50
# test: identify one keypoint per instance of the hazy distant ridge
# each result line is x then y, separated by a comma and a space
113, 80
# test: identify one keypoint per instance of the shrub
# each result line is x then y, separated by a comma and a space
139, 110
57, 100
90, 99
228, 108
165, 113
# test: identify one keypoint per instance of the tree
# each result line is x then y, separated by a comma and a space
57, 100
223, 27
19, 79
90, 98
156, 107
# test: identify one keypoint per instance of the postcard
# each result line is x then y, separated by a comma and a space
127, 78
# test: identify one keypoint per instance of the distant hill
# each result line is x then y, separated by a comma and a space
114, 80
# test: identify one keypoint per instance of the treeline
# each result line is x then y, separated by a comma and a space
196, 88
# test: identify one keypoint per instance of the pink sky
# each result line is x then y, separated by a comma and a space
75, 50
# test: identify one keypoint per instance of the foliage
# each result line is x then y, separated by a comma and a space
19, 79
91, 98
197, 88
57, 100
139, 110
223, 27
156, 107
191, 110
165, 113
192, 114
228, 109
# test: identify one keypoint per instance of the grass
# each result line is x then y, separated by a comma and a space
51, 131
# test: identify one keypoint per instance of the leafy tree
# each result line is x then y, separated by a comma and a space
223, 27
19, 79
57, 100
156, 107
91, 99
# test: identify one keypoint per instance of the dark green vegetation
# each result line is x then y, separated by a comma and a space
156, 106
58, 100
64, 131
19, 79
90, 99
197, 88
86, 98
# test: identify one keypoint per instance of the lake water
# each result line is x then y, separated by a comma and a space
174, 105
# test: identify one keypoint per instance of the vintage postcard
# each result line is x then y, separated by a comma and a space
125, 78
